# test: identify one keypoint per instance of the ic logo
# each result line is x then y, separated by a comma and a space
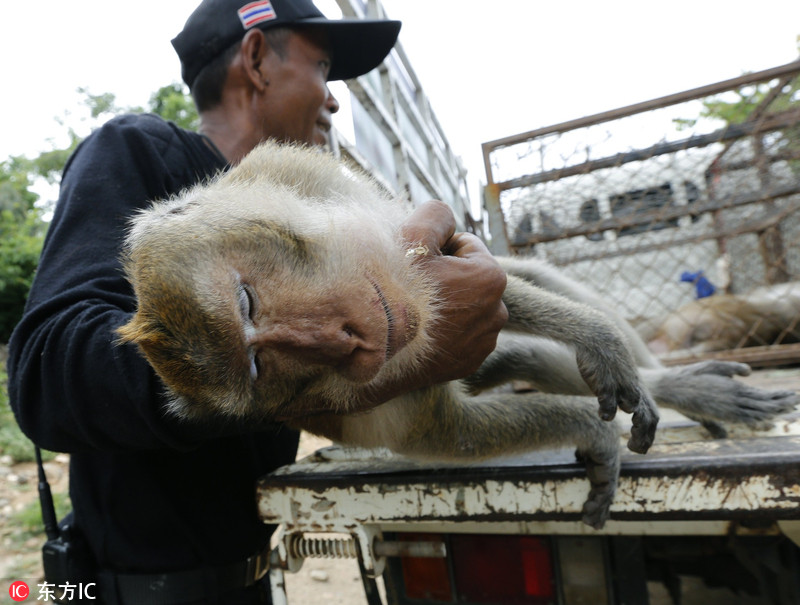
19, 591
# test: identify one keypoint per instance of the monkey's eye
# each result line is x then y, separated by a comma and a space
246, 302
246, 308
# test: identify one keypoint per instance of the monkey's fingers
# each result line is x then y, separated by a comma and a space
608, 406
780, 399
643, 426
631, 399
596, 509
755, 406
626, 399
611, 375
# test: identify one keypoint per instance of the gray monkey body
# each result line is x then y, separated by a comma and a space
232, 277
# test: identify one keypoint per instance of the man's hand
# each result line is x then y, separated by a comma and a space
471, 284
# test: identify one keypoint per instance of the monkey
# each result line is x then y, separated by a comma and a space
727, 321
283, 290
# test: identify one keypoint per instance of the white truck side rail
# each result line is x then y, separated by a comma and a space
397, 136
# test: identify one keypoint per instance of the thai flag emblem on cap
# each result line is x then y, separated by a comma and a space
254, 13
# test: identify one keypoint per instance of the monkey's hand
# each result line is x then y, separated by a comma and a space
706, 391
610, 373
603, 358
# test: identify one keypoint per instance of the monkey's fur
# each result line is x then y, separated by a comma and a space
765, 316
253, 288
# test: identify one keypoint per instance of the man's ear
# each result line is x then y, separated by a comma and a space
254, 54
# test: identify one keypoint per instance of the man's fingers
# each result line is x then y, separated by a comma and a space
431, 225
466, 245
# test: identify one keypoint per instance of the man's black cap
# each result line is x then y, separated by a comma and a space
356, 45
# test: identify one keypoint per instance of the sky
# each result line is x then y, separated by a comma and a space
490, 69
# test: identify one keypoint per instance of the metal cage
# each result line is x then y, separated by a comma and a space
683, 212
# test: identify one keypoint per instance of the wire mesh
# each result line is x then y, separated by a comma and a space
683, 213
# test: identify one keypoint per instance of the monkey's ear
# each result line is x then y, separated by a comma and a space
139, 331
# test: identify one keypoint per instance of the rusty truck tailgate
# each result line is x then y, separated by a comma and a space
751, 477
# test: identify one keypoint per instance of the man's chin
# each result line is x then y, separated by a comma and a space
319, 140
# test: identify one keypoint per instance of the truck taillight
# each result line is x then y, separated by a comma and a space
513, 570
503, 569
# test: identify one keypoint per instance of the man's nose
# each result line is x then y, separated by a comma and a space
331, 103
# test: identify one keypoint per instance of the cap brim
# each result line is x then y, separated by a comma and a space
357, 45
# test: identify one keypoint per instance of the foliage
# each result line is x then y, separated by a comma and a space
100, 105
12, 442
21, 232
20, 246
28, 521
15, 195
745, 101
733, 111
172, 103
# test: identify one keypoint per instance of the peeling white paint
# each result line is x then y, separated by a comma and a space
702, 494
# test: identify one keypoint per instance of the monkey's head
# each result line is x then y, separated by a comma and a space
279, 285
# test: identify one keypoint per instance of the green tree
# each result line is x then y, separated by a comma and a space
15, 194
745, 100
20, 246
172, 103
21, 232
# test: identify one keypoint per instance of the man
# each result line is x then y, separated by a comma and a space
167, 507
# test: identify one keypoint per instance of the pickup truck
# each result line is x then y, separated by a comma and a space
694, 512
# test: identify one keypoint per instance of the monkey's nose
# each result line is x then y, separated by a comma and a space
339, 347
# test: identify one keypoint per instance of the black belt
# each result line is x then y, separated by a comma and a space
181, 586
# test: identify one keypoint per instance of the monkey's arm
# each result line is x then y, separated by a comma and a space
549, 366
443, 424
603, 360
549, 278
705, 391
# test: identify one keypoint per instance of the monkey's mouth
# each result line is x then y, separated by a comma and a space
400, 328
